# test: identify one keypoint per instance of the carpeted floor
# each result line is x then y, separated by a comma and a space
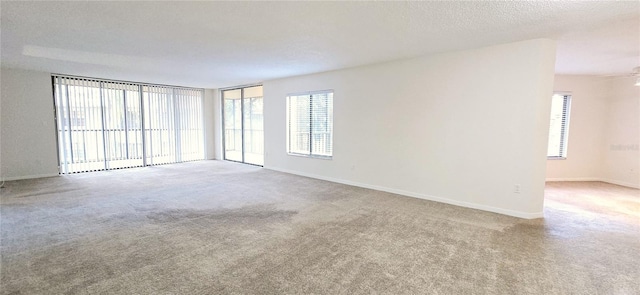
216, 227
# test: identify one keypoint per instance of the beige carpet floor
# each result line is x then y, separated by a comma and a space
216, 227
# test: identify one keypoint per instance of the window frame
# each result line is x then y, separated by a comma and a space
288, 124
564, 129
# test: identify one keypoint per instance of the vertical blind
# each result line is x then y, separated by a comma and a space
559, 126
310, 124
106, 124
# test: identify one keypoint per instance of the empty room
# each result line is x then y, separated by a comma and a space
319, 147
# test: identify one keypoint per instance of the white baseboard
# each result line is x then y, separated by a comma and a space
622, 183
508, 212
574, 179
616, 182
30, 176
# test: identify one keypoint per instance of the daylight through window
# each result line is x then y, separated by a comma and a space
310, 124
106, 125
559, 126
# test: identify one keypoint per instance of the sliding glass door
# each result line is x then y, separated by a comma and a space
106, 125
232, 125
243, 125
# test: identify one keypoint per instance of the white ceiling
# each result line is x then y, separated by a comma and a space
220, 44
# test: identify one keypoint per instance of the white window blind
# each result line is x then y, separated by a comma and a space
106, 124
559, 126
310, 124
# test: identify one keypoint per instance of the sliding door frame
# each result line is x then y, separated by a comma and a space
145, 140
224, 140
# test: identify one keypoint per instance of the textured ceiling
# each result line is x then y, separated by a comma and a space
219, 44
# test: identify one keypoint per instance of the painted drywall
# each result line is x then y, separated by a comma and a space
210, 125
217, 121
462, 127
27, 126
621, 159
587, 120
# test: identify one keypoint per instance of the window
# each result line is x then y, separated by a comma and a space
105, 125
559, 126
310, 124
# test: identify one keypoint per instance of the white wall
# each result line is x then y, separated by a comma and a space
211, 108
217, 121
461, 127
27, 126
621, 159
587, 120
